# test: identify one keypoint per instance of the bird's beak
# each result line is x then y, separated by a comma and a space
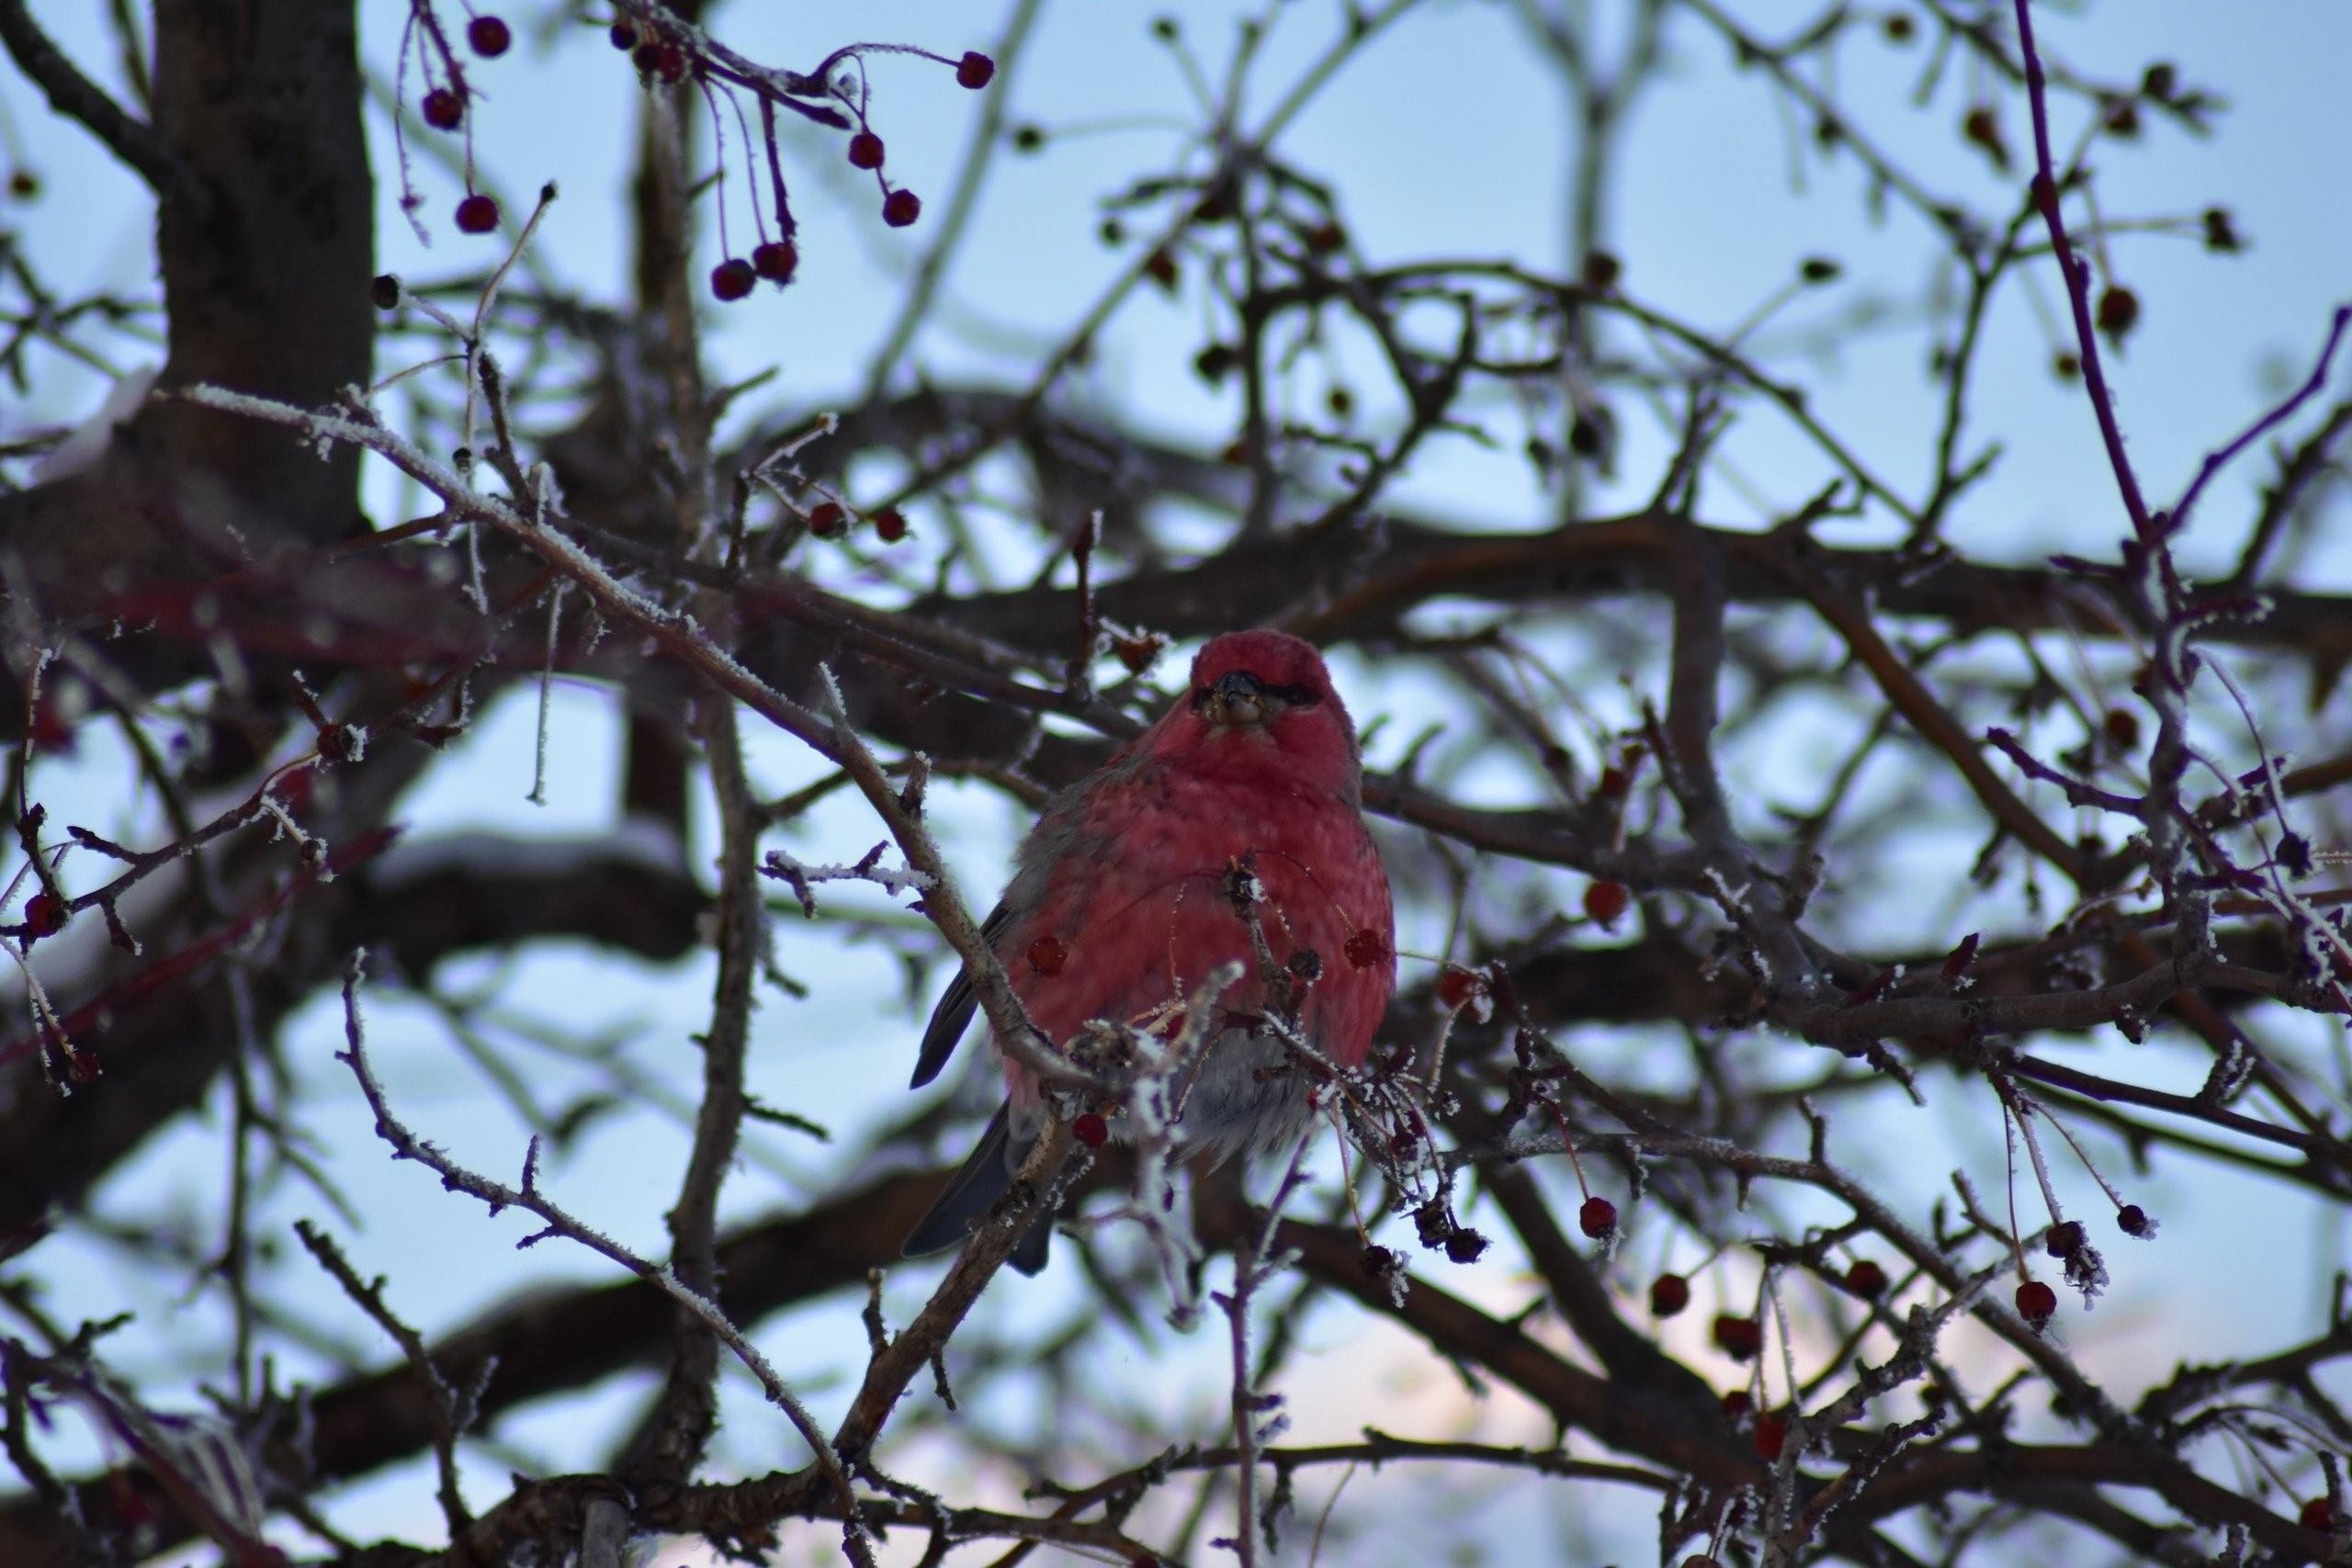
1237, 700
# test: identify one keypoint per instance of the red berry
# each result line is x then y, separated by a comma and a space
732, 279
774, 260
44, 914
477, 214
2319, 1514
889, 525
489, 36
902, 208
1736, 1404
975, 70
1605, 901
1090, 1130
1741, 1339
444, 110
1366, 947
1456, 987
825, 519
1047, 955
1771, 1434
866, 151
668, 60
1669, 1293
1866, 1279
2037, 1303
1598, 1218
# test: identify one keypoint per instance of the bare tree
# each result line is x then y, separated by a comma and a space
1756, 797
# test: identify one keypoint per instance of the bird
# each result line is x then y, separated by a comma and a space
1242, 806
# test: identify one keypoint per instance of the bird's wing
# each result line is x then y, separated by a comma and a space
972, 1192
953, 1013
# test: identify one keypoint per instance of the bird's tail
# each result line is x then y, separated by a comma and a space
975, 1189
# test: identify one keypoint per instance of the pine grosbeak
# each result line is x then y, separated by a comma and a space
1134, 884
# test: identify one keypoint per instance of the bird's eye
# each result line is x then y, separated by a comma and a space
1294, 696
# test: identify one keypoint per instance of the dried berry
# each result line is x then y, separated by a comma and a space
889, 525
2064, 1240
1598, 1218
1047, 955
974, 71
1090, 1130
733, 279
1669, 1293
1866, 1279
902, 208
825, 519
1379, 1262
1365, 948
443, 109
2132, 1220
490, 37
1741, 1339
866, 151
1465, 1246
478, 214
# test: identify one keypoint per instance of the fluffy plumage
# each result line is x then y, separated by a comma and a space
1119, 906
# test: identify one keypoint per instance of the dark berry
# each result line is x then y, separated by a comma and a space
44, 914
2132, 1220
1365, 948
975, 70
1601, 271
2319, 1514
889, 525
1598, 1218
2064, 1240
1614, 783
1379, 1262
825, 519
2065, 365
2037, 1303
1605, 901
1465, 1246
1741, 1339
902, 208
444, 110
645, 57
1771, 1434
1817, 270
2122, 726
478, 214
623, 34
1669, 1293
866, 151
2118, 312
1032, 139
774, 260
1090, 1130
1047, 955
732, 279
2159, 80
1324, 238
1866, 1279
385, 292
1898, 27
1161, 268
490, 37
23, 184
1736, 1404
1138, 654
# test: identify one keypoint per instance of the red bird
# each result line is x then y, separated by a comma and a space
1123, 900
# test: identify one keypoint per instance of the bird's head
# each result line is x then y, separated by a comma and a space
1263, 700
